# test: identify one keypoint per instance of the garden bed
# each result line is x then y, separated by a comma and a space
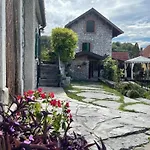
38, 121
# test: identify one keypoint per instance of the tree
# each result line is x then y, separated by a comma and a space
45, 48
46, 42
132, 49
63, 43
122, 47
135, 51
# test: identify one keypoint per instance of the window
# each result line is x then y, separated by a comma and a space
90, 26
86, 47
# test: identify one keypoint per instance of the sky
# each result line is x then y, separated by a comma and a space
131, 16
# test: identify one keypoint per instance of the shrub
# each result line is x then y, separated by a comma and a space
111, 70
147, 95
128, 88
132, 94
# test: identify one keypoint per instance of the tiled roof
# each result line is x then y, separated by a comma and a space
146, 52
90, 54
120, 55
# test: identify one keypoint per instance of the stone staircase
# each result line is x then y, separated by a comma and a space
49, 75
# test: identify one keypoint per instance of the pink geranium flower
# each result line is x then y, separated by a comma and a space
39, 90
43, 95
51, 95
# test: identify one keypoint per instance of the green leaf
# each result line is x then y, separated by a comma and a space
37, 107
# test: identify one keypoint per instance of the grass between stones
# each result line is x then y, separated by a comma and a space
73, 95
123, 105
110, 90
121, 99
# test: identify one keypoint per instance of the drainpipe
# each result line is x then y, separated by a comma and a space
39, 56
21, 46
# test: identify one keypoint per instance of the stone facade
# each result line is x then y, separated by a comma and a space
98, 44
100, 40
80, 68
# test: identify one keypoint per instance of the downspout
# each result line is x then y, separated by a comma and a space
39, 56
21, 46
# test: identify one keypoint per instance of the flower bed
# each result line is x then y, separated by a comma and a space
38, 121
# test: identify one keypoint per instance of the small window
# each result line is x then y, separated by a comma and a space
86, 47
90, 26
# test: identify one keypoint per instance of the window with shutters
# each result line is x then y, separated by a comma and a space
86, 47
90, 26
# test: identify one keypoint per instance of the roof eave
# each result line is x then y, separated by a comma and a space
116, 31
42, 11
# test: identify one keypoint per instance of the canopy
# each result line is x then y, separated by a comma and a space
139, 59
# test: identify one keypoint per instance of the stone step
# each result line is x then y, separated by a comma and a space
49, 70
52, 72
48, 82
43, 66
49, 76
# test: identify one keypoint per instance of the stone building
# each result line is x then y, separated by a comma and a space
20, 24
95, 34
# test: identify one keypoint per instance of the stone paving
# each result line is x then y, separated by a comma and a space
98, 117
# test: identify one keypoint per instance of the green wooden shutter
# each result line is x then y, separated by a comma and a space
36, 45
86, 47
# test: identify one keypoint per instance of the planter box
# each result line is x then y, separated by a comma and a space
66, 81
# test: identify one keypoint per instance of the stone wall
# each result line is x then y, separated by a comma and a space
100, 40
80, 68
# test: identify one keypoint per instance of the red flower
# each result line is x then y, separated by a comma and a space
59, 103
51, 95
43, 95
53, 102
70, 116
30, 92
18, 113
19, 97
25, 94
67, 104
39, 90
68, 110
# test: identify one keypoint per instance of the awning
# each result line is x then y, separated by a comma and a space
139, 59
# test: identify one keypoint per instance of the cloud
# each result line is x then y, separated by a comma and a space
129, 15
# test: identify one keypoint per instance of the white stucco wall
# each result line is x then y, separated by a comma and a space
3, 89
29, 55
